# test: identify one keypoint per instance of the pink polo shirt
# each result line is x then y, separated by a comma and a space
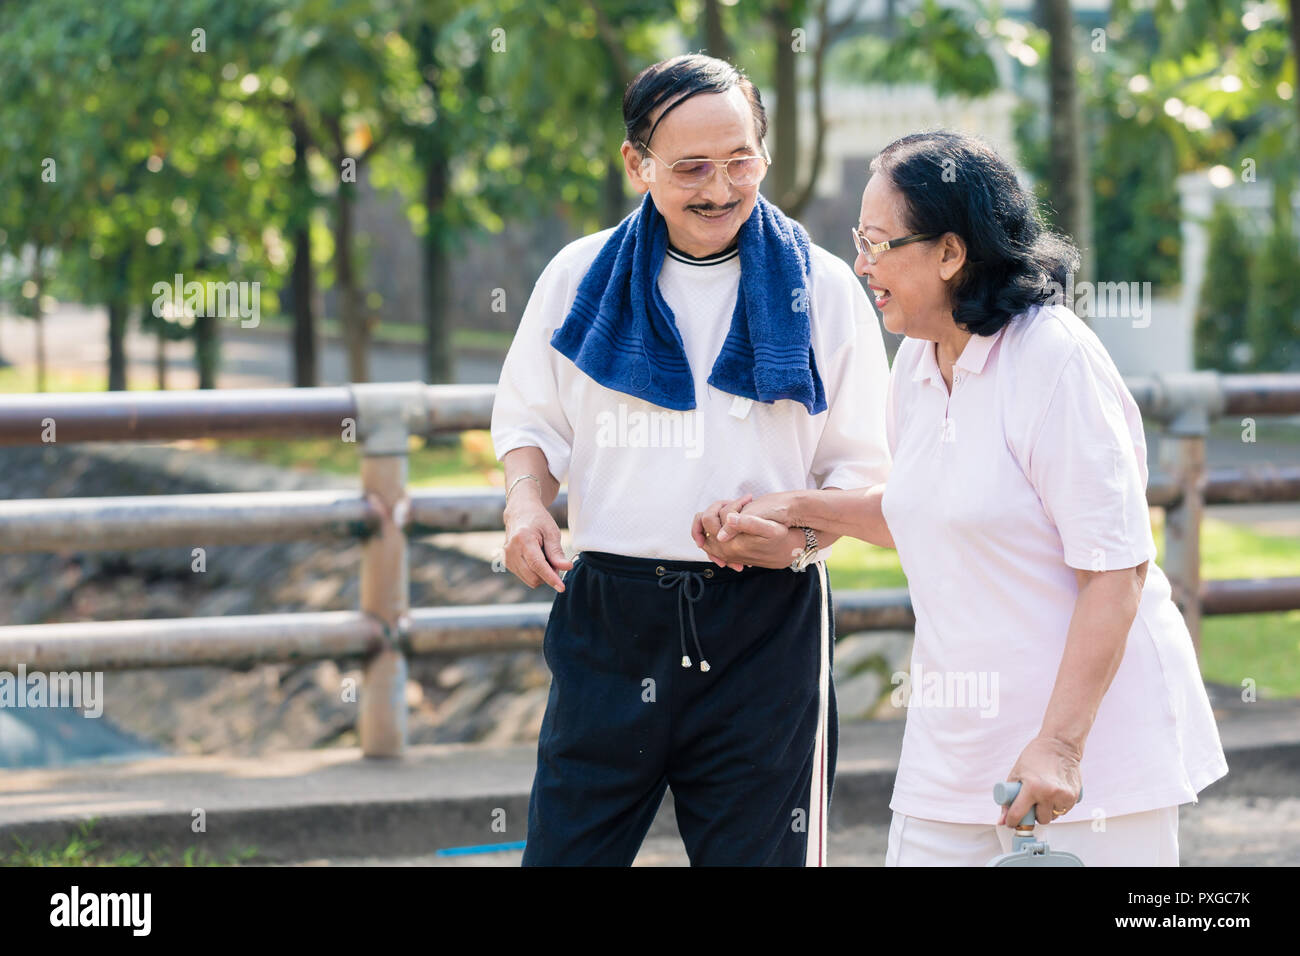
1035, 465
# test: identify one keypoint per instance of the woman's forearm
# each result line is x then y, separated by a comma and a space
1094, 646
850, 512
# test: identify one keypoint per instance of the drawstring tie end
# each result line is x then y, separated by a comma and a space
690, 588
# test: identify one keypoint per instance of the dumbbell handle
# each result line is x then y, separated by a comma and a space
1005, 793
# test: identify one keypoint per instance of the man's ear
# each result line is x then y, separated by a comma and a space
640, 169
952, 255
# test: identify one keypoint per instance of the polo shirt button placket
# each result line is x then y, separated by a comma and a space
946, 430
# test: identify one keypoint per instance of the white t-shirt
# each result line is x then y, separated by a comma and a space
1035, 466
637, 473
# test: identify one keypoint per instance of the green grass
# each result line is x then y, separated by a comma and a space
15, 380
402, 333
855, 565
1263, 647
84, 850
468, 462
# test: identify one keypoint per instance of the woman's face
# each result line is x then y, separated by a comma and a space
910, 284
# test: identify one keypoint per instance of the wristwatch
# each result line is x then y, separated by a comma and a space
805, 557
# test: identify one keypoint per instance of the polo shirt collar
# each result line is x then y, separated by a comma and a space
977, 350
972, 359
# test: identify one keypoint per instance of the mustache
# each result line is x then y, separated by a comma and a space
712, 208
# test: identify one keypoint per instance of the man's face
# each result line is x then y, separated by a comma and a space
703, 220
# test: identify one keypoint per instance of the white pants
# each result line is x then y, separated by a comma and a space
1134, 839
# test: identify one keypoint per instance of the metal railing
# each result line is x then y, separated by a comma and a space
383, 515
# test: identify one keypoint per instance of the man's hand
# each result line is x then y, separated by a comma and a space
767, 545
533, 552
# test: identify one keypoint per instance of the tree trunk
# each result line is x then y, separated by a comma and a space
302, 278
304, 319
40, 349
206, 356
785, 126
715, 35
1295, 50
160, 363
438, 362
1069, 149
116, 345
431, 152
615, 202
38, 277
798, 195
356, 334
117, 320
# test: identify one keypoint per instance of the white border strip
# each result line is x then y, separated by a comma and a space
817, 796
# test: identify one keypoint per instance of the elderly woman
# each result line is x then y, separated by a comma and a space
1017, 504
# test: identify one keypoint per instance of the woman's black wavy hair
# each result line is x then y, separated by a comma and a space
952, 182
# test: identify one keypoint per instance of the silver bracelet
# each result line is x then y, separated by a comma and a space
519, 479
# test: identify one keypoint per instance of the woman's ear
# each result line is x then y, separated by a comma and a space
952, 255
640, 169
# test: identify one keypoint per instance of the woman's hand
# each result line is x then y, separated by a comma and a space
1048, 771
769, 545
760, 514
830, 512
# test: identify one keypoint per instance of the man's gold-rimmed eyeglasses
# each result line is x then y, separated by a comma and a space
872, 250
696, 172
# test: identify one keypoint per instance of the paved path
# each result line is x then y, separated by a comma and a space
1222, 831
334, 805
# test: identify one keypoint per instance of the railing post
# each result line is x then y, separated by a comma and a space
386, 414
1184, 449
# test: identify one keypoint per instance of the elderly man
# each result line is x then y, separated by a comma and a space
704, 345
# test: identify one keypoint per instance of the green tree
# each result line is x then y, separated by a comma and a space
156, 173
1273, 302
1221, 318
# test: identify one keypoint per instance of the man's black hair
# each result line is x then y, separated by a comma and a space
678, 80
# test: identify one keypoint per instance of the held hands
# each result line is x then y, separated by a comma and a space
733, 540
1048, 771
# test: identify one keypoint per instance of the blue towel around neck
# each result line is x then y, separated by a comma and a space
622, 333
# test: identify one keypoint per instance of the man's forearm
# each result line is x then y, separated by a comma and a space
530, 460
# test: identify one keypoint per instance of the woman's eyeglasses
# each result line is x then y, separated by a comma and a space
872, 250
694, 173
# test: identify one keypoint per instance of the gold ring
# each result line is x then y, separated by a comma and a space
706, 534
1057, 813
